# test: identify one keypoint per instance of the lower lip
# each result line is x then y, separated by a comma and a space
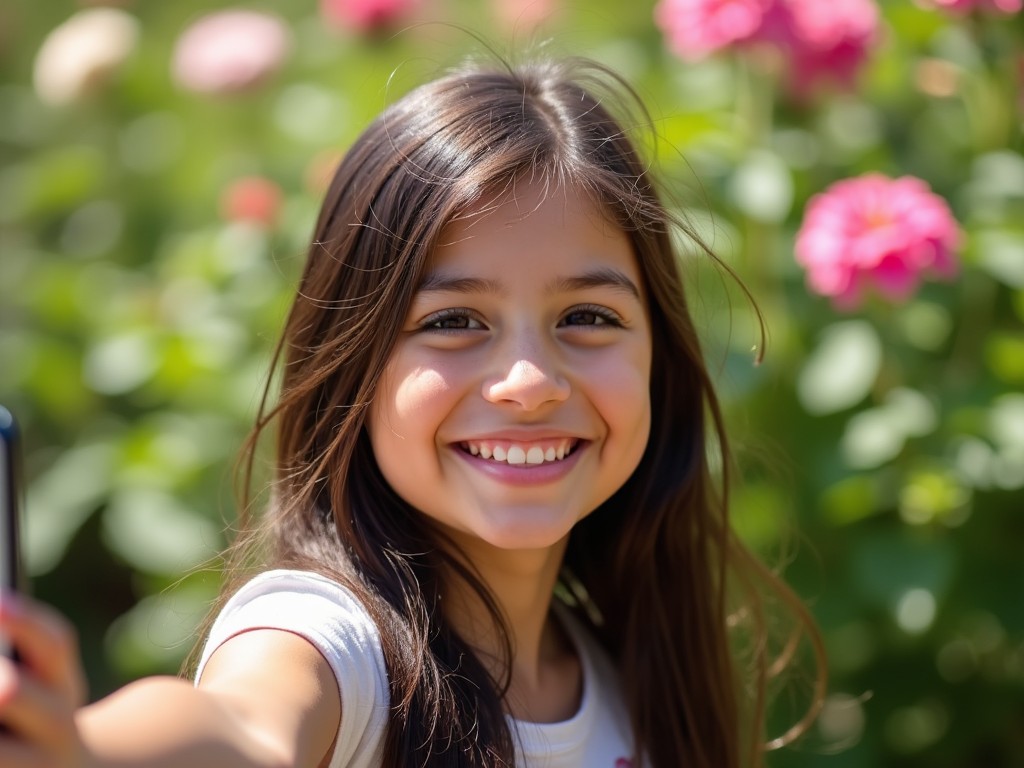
525, 474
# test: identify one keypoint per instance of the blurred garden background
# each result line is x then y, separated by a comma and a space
859, 164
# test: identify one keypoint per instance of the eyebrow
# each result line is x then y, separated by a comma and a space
601, 277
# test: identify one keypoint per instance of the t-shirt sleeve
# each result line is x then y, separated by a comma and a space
328, 616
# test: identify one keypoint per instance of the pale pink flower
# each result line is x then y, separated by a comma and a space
695, 28
367, 15
524, 15
254, 199
876, 232
82, 54
966, 6
229, 51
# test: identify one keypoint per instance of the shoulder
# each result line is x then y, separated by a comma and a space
330, 618
310, 605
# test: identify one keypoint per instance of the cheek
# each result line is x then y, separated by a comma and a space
621, 386
421, 391
411, 400
621, 395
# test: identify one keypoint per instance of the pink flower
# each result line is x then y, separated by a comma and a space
230, 51
830, 39
820, 39
524, 15
366, 15
254, 199
873, 231
966, 6
696, 28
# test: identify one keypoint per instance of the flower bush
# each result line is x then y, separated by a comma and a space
153, 223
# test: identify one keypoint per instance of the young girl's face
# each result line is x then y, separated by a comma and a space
517, 398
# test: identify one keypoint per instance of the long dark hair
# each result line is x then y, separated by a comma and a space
655, 571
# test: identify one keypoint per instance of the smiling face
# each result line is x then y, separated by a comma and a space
517, 398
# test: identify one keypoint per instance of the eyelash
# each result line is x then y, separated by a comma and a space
605, 315
430, 324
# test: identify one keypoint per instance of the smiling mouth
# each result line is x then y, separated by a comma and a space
511, 452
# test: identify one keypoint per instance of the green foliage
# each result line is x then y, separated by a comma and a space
136, 325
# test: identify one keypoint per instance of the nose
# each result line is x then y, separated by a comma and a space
530, 381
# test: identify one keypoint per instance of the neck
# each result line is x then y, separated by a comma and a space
521, 583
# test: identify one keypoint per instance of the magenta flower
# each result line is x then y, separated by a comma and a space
828, 40
876, 232
818, 39
696, 28
229, 51
366, 15
966, 6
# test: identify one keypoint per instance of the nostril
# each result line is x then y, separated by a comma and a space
528, 384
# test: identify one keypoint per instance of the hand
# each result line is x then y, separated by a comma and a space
40, 693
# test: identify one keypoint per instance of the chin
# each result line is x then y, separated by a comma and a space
524, 531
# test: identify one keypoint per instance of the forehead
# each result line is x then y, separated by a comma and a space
534, 229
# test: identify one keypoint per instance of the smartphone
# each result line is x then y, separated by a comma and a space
10, 510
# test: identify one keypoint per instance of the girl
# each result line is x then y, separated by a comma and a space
495, 534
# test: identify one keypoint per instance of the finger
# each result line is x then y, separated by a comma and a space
47, 644
17, 754
34, 713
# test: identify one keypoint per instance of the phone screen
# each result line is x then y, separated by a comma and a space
9, 497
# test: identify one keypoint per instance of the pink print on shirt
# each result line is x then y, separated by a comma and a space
623, 762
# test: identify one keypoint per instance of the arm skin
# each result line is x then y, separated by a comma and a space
267, 699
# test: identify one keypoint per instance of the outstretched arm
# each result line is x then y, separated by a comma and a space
267, 698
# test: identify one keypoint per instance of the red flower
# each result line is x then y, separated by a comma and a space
366, 15
251, 198
878, 232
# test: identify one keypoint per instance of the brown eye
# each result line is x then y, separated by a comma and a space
451, 323
589, 316
583, 318
451, 320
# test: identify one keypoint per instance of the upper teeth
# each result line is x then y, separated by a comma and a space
521, 453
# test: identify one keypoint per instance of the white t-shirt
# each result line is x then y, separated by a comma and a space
329, 616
